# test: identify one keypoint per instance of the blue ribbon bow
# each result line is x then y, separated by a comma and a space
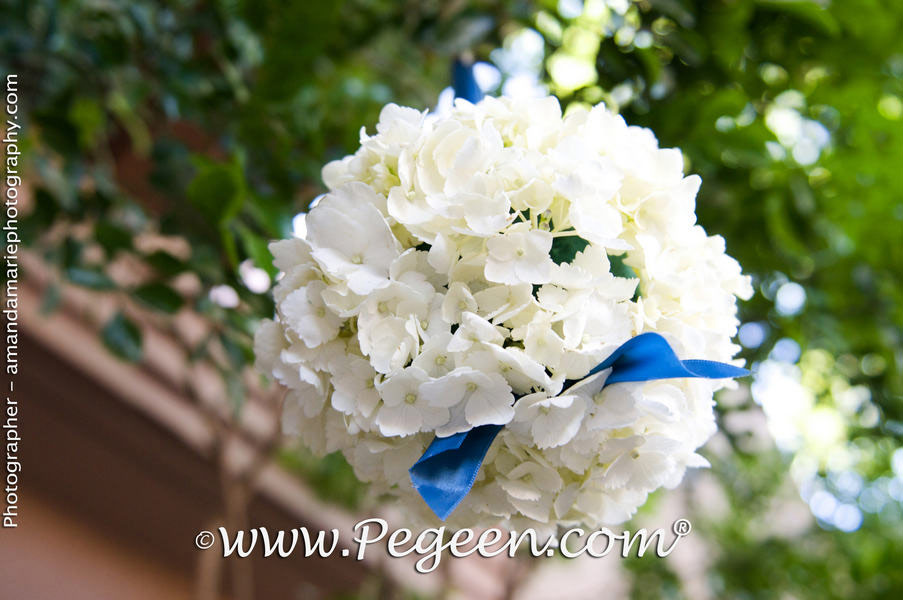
445, 473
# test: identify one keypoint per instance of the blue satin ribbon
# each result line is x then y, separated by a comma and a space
447, 470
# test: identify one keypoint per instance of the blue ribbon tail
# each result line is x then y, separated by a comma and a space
648, 356
445, 473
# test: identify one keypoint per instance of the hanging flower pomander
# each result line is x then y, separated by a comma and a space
464, 271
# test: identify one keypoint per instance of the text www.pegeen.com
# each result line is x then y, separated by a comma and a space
430, 544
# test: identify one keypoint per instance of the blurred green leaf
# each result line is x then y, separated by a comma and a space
816, 13
332, 477
90, 278
256, 248
122, 337
71, 252
165, 263
159, 296
217, 190
238, 355
112, 237
230, 248
51, 300
235, 390
88, 118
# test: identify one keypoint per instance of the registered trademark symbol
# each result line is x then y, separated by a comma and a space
681, 527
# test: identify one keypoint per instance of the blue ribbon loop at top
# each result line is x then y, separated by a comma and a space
445, 473
464, 82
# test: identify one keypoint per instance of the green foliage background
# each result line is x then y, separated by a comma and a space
210, 120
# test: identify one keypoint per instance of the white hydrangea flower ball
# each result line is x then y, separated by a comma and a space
462, 268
